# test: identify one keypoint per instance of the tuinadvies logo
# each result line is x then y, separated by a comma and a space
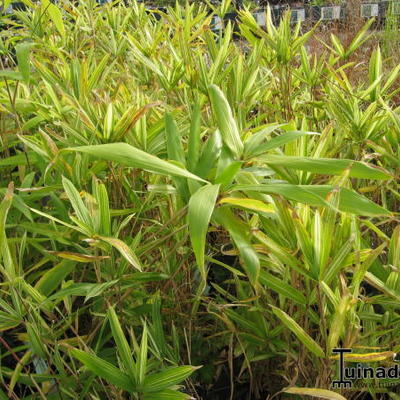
359, 372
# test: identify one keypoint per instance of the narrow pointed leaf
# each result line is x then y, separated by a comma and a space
104, 370
314, 392
299, 332
126, 154
225, 121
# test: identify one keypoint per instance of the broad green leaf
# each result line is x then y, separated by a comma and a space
13, 75
299, 332
201, 206
210, 154
314, 392
55, 14
50, 279
131, 156
315, 195
241, 235
104, 370
169, 377
327, 166
225, 121
22, 53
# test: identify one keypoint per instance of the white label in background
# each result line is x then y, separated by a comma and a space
369, 10
216, 23
261, 18
299, 14
329, 13
336, 12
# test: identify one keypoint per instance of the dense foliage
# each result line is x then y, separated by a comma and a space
180, 207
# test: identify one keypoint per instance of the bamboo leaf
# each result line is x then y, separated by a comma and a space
299, 332
315, 195
167, 378
167, 395
126, 154
123, 347
281, 287
54, 276
314, 392
5, 254
225, 121
201, 206
55, 14
327, 166
22, 52
124, 250
104, 370
250, 204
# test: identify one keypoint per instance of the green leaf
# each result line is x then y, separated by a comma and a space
124, 250
225, 121
77, 204
167, 378
131, 156
193, 151
104, 208
98, 288
49, 281
240, 233
174, 140
277, 141
281, 287
210, 154
82, 289
167, 395
55, 14
22, 53
249, 204
338, 323
327, 166
299, 332
5, 254
13, 75
35, 340
8, 321
142, 359
201, 206
315, 195
123, 347
104, 370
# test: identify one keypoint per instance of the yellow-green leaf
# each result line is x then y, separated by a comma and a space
314, 392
